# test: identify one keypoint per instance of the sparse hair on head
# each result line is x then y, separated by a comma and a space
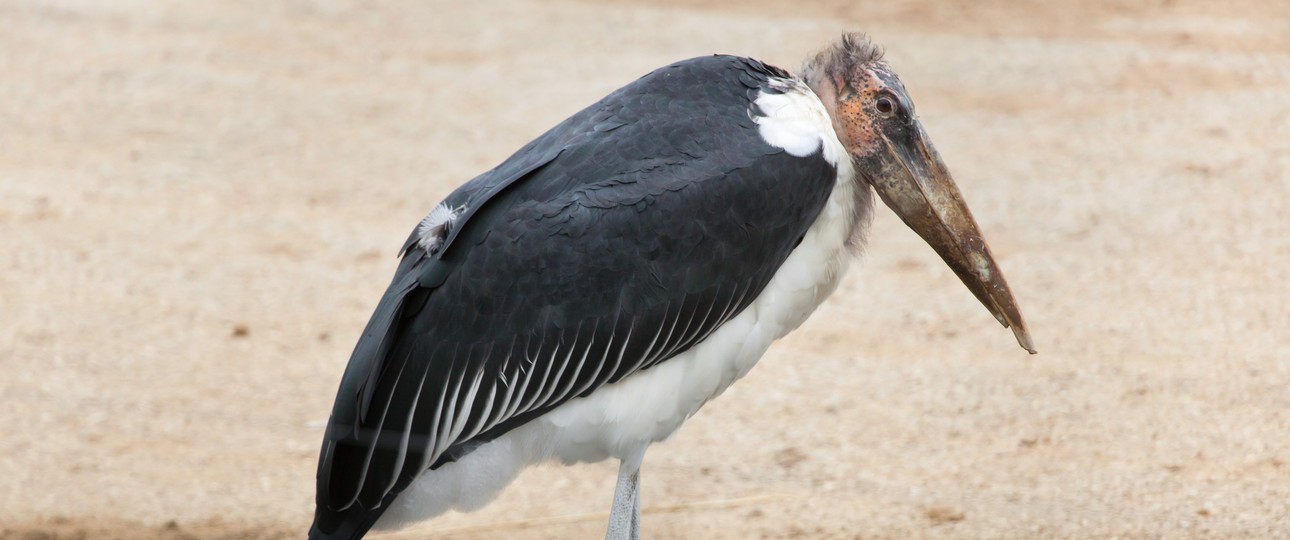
855, 48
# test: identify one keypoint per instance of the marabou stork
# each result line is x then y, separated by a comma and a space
583, 298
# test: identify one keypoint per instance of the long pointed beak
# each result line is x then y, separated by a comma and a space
915, 183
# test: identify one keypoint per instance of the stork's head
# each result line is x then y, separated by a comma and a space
874, 118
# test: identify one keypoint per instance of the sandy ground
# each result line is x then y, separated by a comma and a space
200, 203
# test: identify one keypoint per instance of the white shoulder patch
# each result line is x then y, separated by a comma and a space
797, 121
433, 230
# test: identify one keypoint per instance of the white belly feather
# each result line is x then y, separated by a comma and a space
649, 406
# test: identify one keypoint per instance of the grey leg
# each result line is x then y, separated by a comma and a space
625, 515
636, 508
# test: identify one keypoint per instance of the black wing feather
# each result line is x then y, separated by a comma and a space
615, 241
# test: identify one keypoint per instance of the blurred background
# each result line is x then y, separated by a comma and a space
201, 202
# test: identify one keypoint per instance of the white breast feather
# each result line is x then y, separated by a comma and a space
649, 406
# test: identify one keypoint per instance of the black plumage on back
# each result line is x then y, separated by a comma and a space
613, 242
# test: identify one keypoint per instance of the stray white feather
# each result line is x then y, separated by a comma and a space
433, 229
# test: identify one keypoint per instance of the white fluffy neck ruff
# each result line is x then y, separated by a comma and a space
797, 120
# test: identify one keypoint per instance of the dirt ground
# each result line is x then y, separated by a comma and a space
200, 203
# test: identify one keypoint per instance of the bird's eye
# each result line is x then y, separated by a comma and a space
886, 105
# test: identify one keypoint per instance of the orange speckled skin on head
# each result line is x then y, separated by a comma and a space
854, 109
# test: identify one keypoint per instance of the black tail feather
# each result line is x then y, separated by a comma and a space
348, 524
